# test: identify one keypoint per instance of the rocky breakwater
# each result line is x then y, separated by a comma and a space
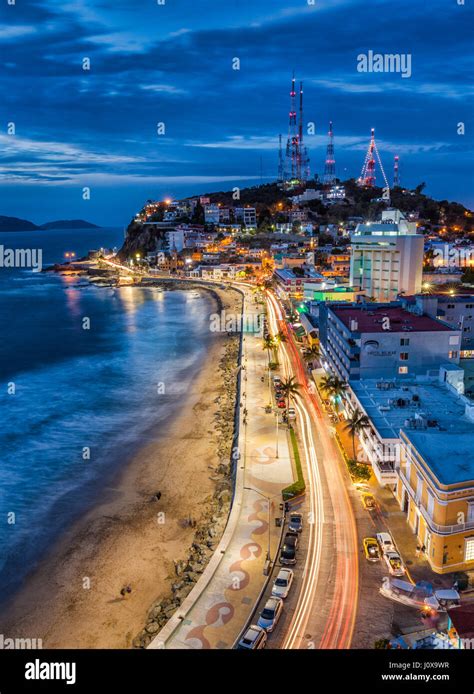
211, 527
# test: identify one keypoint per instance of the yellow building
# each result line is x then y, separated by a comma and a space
435, 489
420, 444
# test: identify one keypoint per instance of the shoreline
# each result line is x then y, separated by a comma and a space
72, 600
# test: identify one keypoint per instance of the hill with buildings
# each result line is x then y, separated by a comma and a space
271, 208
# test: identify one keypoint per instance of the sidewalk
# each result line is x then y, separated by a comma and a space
213, 615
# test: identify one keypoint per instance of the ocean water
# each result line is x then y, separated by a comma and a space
100, 389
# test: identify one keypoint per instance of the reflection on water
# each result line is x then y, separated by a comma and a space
78, 388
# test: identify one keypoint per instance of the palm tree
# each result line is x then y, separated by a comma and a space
326, 384
338, 388
355, 425
334, 387
268, 344
280, 337
289, 388
312, 353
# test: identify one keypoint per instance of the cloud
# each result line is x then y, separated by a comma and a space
9, 32
162, 88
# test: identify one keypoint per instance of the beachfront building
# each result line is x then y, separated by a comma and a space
362, 341
387, 257
292, 284
455, 309
419, 443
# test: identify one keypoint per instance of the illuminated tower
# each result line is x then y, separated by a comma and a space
330, 164
368, 176
396, 174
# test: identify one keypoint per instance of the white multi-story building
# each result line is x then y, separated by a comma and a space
211, 214
247, 215
387, 257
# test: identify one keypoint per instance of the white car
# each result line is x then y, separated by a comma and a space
394, 563
385, 542
283, 583
270, 614
291, 413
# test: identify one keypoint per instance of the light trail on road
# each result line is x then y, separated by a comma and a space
339, 625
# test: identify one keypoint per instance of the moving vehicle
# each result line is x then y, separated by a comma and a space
371, 549
254, 638
385, 542
369, 502
394, 563
270, 614
283, 583
291, 413
296, 523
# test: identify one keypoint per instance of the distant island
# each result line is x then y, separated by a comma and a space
17, 224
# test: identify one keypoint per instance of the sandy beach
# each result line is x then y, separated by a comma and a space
133, 538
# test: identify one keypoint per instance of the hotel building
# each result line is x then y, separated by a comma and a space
387, 257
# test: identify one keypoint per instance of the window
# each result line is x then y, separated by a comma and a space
469, 549
403, 356
454, 339
452, 355
403, 369
404, 341
450, 306
470, 511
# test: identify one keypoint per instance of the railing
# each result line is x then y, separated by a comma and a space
436, 527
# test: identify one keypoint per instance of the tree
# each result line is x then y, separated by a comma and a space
312, 353
268, 344
355, 425
289, 388
334, 387
280, 337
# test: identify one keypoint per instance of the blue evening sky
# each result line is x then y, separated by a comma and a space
172, 63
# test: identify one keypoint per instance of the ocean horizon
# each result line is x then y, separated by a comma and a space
77, 403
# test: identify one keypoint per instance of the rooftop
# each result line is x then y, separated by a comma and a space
370, 320
431, 416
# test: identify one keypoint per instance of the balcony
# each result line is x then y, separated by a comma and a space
434, 527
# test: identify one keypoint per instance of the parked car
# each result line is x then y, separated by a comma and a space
385, 542
291, 538
288, 554
254, 638
283, 583
371, 549
276, 380
394, 563
291, 413
296, 523
281, 404
270, 614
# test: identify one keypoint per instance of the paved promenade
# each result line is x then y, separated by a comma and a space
214, 613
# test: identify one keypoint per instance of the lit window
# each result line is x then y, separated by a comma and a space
469, 549
403, 369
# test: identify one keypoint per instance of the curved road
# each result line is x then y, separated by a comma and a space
326, 608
